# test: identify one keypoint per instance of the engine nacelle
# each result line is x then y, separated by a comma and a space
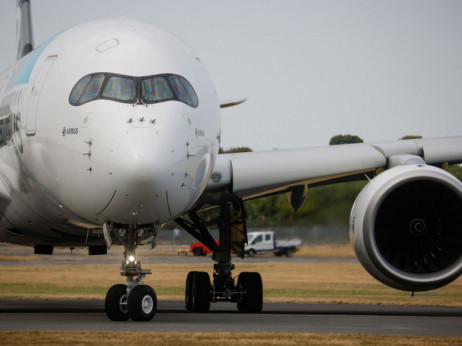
406, 227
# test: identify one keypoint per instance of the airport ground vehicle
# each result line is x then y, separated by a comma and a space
258, 242
265, 242
199, 249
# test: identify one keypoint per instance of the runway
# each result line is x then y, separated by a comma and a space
88, 315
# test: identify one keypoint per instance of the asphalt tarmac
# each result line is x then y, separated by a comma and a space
88, 315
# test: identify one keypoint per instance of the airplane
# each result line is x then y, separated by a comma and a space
111, 128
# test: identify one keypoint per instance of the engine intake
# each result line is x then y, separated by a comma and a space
406, 227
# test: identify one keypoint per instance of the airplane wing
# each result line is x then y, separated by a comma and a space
232, 103
256, 174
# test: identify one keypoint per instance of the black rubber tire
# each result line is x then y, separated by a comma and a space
188, 291
289, 253
142, 303
115, 303
252, 253
197, 251
200, 292
251, 287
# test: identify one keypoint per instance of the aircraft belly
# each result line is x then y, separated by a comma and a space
26, 221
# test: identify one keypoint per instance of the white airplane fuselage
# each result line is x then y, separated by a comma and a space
79, 166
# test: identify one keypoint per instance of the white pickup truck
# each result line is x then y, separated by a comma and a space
265, 242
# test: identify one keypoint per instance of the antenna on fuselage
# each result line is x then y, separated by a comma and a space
24, 42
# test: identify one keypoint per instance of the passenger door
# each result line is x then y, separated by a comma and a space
35, 97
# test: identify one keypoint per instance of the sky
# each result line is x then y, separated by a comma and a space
311, 69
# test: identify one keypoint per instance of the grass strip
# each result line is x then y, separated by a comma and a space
219, 339
46, 290
335, 282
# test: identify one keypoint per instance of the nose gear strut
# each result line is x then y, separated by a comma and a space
133, 300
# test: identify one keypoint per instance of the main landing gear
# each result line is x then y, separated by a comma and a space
133, 300
247, 292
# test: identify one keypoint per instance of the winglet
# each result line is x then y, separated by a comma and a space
231, 103
23, 28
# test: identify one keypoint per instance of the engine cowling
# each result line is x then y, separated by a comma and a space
406, 227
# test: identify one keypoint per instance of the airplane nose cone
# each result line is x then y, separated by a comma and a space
138, 164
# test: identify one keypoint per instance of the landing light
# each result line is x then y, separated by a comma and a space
130, 260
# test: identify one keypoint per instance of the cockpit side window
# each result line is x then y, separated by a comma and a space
120, 89
191, 92
92, 88
155, 89
78, 88
184, 90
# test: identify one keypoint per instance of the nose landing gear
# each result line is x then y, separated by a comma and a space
133, 300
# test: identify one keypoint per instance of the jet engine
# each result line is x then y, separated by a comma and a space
406, 227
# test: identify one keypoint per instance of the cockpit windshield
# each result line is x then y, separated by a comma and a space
126, 89
156, 89
120, 88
